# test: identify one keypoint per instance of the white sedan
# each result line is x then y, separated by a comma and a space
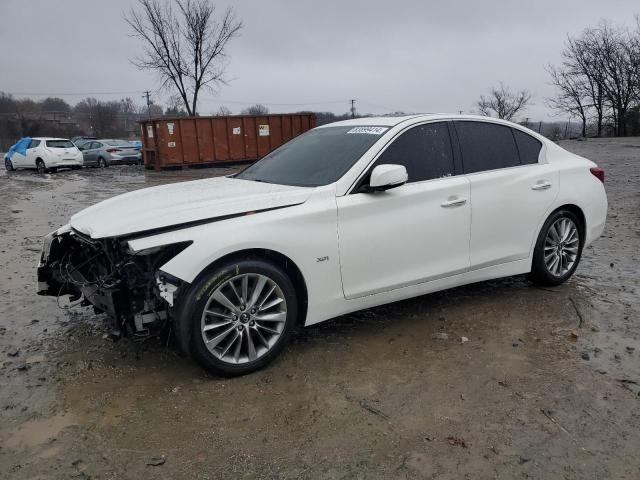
46, 154
344, 217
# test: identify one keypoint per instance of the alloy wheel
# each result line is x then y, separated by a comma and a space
561, 246
244, 318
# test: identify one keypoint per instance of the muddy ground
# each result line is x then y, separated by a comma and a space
545, 387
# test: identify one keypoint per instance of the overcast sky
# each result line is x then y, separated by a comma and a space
418, 56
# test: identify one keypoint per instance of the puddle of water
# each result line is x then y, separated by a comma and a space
37, 432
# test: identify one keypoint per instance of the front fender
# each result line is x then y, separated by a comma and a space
306, 234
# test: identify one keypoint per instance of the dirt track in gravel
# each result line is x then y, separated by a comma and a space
369, 395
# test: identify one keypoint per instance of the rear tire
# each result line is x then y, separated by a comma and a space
249, 330
558, 249
102, 163
40, 166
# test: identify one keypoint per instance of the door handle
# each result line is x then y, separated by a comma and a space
541, 186
454, 202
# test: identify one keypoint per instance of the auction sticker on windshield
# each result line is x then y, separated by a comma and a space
369, 130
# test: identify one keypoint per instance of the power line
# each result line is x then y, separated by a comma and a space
275, 104
73, 94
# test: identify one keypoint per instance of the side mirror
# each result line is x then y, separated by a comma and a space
386, 176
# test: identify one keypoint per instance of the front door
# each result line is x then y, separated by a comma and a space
32, 154
413, 233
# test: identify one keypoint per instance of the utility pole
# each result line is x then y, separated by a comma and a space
147, 95
353, 107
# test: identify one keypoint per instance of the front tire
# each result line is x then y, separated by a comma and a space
241, 316
8, 165
558, 249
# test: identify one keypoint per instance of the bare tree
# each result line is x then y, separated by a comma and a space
571, 96
175, 107
580, 62
100, 117
504, 103
185, 48
616, 53
223, 111
256, 109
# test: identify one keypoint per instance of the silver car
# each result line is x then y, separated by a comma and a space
105, 152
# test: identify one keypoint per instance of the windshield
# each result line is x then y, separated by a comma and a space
317, 157
60, 144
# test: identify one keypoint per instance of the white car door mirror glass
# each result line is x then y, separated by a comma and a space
386, 176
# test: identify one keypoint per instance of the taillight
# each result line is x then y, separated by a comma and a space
113, 150
598, 173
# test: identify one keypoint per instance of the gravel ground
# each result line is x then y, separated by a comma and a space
547, 385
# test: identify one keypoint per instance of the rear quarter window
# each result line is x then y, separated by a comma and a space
486, 146
528, 147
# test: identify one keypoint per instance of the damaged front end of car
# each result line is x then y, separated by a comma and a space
128, 286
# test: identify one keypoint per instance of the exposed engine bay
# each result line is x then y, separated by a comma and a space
105, 273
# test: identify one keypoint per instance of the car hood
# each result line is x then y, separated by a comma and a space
175, 204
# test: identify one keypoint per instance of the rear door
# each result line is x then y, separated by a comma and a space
409, 234
511, 190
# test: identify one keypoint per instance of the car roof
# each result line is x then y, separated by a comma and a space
49, 138
391, 121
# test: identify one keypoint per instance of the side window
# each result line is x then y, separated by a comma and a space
486, 146
425, 151
34, 143
528, 147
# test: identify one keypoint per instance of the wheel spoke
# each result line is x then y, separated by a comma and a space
271, 304
267, 329
236, 353
257, 290
222, 299
228, 347
218, 338
217, 314
272, 317
553, 232
245, 289
214, 325
261, 337
251, 347
233, 287
266, 297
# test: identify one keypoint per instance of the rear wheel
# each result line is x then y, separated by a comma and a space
558, 249
242, 315
42, 168
102, 163
8, 165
